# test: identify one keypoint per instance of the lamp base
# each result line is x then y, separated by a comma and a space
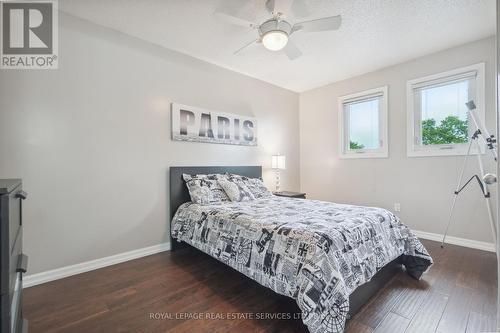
277, 180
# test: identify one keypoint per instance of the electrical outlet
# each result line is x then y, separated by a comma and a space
397, 207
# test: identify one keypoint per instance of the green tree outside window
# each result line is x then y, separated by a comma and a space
451, 130
354, 145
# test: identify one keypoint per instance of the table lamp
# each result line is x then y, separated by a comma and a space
278, 163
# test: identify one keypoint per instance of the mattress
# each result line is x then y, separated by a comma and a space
313, 251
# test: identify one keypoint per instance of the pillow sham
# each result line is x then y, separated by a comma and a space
255, 185
204, 189
236, 191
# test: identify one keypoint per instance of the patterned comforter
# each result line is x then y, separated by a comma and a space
313, 251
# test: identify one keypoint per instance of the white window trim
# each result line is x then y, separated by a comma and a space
412, 149
383, 151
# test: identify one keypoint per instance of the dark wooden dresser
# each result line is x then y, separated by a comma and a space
13, 263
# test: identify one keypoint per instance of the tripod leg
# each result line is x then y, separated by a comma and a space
449, 218
486, 194
492, 220
456, 191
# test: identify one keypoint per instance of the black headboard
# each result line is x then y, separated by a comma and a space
179, 193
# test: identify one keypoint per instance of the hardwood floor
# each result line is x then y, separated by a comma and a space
161, 292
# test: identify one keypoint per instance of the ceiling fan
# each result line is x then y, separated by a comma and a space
275, 32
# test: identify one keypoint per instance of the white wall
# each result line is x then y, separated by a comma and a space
424, 186
91, 140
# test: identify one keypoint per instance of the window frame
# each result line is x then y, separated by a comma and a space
383, 150
414, 149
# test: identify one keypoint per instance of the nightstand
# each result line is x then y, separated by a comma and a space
289, 194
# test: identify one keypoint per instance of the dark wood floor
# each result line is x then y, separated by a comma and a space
458, 294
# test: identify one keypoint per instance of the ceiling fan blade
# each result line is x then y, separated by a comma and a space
279, 6
270, 6
292, 51
233, 20
238, 51
322, 24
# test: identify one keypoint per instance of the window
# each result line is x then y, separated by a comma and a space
438, 120
363, 124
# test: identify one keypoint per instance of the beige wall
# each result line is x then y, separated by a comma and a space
91, 140
424, 185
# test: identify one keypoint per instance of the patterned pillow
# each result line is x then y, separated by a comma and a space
236, 191
255, 185
205, 189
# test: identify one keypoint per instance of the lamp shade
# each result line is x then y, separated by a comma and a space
278, 162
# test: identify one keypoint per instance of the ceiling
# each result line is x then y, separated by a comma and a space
374, 33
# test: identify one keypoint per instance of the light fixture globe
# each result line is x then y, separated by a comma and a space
274, 34
275, 40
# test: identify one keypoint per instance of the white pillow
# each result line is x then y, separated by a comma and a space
204, 189
255, 185
236, 191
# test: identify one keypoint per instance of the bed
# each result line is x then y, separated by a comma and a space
330, 258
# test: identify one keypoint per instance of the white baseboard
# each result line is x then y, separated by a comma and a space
59, 273
456, 241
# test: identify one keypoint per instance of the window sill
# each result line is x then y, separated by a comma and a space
364, 155
440, 152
